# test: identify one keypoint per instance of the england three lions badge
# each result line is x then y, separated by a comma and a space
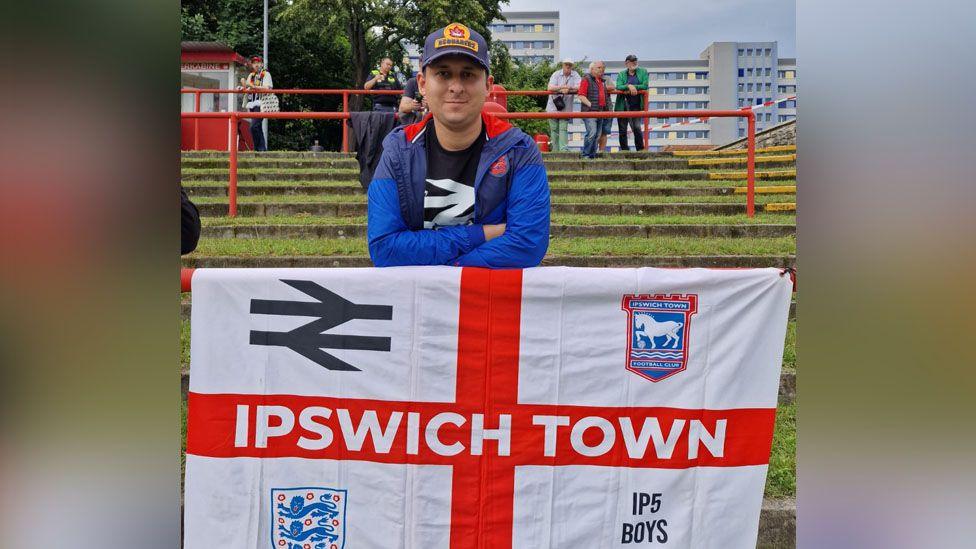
658, 326
308, 518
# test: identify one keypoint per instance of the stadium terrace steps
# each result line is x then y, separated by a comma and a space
568, 231
710, 184
353, 187
736, 152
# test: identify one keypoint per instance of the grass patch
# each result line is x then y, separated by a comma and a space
667, 246
556, 219
584, 199
781, 477
185, 343
789, 350
554, 185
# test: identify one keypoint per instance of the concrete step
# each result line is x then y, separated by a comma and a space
339, 209
568, 231
667, 163
554, 176
760, 175
771, 160
777, 524
220, 189
709, 261
736, 152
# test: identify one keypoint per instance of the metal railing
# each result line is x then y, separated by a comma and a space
345, 93
233, 117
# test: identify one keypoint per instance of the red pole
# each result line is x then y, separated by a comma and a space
647, 121
186, 279
345, 128
232, 181
751, 167
196, 123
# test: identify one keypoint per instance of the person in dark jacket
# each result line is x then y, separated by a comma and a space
460, 187
189, 224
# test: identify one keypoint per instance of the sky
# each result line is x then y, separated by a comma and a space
665, 29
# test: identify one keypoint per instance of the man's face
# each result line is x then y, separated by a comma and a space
597, 70
567, 68
455, 88
631, 65
386, 65
256, 66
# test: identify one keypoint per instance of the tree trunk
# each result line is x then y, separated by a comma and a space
357, 43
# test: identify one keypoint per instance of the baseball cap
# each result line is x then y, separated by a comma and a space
455, 39
257, 58
631, 57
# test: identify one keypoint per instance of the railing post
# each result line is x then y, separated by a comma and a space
751, 166
232, 177
345, 127
196, 122
647, 121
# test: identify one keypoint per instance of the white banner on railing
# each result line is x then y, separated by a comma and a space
438, 407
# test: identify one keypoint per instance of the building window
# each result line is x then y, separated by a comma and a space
749, 52
741, 52
742, 73
701, 75
742, 132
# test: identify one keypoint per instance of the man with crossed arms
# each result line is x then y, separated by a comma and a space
460, 187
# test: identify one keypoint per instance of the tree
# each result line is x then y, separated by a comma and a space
529, 76
501, 63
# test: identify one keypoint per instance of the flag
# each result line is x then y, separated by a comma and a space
439, 407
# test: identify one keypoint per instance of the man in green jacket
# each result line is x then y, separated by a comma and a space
631, 87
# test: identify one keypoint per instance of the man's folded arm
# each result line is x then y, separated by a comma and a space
392, 243
526, 237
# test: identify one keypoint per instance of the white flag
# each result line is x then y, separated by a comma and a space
438, 407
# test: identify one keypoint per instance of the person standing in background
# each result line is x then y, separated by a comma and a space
259, 79
594, 94
384, 79
412, 104
631, 85
565, 81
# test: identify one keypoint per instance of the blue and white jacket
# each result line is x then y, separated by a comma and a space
510, 187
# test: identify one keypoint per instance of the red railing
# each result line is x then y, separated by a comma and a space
345, 103
233, 117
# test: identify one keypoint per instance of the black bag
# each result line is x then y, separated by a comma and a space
559, 101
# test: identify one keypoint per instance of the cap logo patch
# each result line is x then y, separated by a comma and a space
456, 35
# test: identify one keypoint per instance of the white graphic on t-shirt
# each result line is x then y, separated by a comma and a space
455, 204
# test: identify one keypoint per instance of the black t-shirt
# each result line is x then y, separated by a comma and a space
449, 191
389, 83
633, 101
410, 89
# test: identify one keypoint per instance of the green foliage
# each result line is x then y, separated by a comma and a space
193, 26
501, 63
529, 76
326, 44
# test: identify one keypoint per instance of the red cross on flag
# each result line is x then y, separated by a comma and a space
438, 407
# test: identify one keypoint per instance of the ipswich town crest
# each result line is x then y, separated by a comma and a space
308, 518
658, 327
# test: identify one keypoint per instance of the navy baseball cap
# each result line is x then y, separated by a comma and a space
455, 39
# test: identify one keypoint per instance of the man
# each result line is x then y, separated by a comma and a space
632, 84
384, 79
460, 187
412, 104
594, 94
259, 79
564, 81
